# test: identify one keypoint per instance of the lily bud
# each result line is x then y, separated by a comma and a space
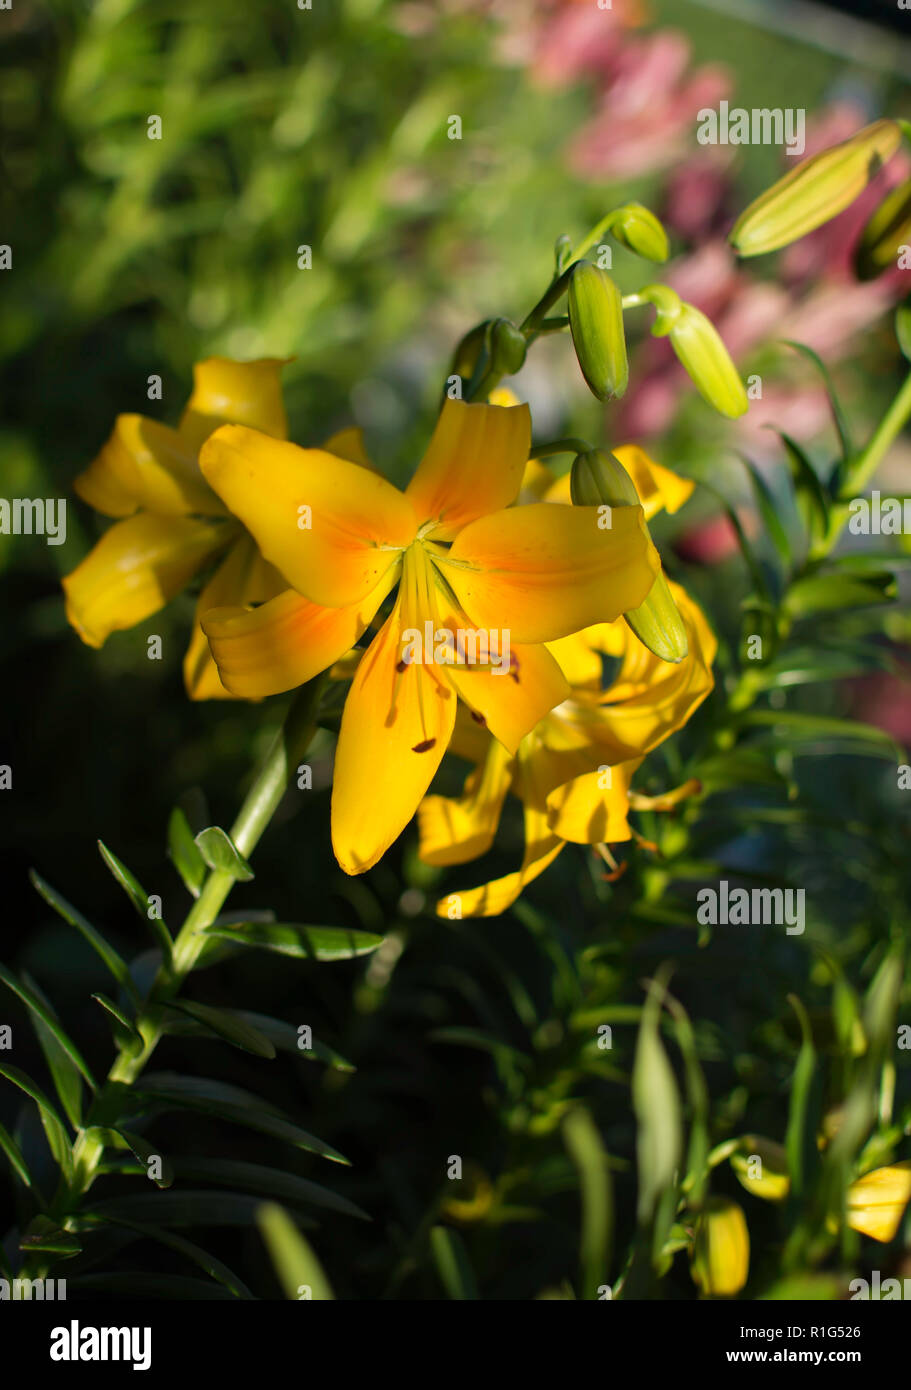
888, 229
596, 323
508, 347
816, 191
698, 345
599, 479
639, 229
721, 1248
761, 1167
465, 357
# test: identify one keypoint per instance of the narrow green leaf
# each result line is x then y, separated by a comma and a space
144, 1152
903, 328
299, 1271
213, 1266
228, 1025
125, 1031
838, 415
220, 852
831, 591
303, 943
799, 1139
768, 510
811, 494
184, 852
802, 727
271, 1182
217, 1098
14, 1154
182, 1208
47, 1237
452, 1263
139, 898
64, 1060
286, 1038
112, 959
656, 1102
583, 1144
54, 1127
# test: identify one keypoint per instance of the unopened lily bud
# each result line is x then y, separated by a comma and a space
508, 347
761, 1166
877, 1201
639, 229
698, 345
599, 479
596, 323
816, 191
888, 229
465, 357
721, 1248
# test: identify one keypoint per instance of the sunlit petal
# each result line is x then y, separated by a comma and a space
473, 464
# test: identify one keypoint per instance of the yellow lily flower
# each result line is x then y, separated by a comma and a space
170, 524
465, 560
573, 771
720, 1261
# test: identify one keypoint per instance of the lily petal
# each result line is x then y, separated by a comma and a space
146, 464
135, 569
332, 528
395, 728
242, 393
473, 464
588, 813
285, 642
243, 577
658, 487
455, 829
541, 849
544, 571
349, 444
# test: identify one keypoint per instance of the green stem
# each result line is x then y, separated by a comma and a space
259, 806
559, 446
860, 470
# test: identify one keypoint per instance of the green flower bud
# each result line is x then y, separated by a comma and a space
761, 1167
888, 229
508, 347
465, 357
599, 479
639, 229
698, 345
596, 323
721, 1248
816, 191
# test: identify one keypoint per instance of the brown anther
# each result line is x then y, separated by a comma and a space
401, 665
425, 746
478, 718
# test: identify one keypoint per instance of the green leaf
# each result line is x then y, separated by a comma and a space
800, 1139
228, 1025
811, 496
184, 852
737, 768
286, 1038
656, 1102
298, 1269
217, 1098
54, 1127
126, 1034
138, 1284
903, 328
184, 1208
142, 1151
834, 591
583, 1144
452, 1263
271, 1182
114, 962
838, 415
14, 1154
213, 1266
768, 510
220, 852
801, 727
47, 1237
139, 898
65, 1061
303, 943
